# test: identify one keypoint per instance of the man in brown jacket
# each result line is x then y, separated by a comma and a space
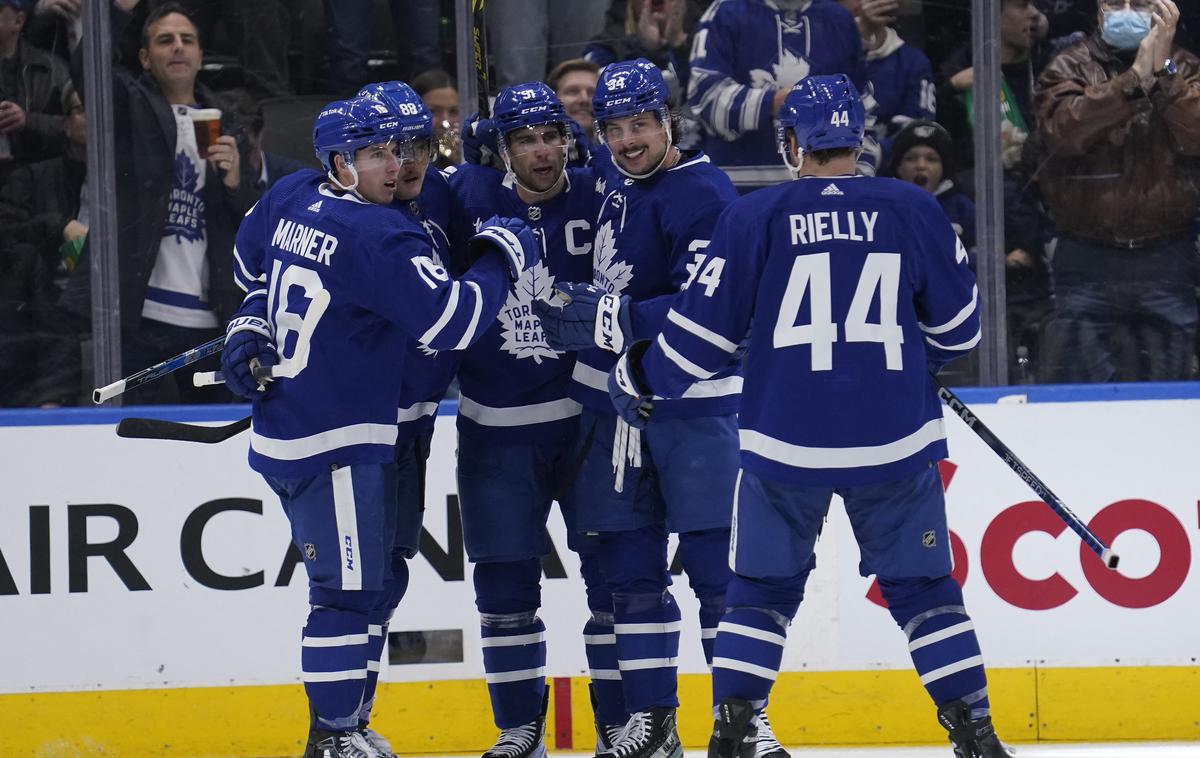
1120, 116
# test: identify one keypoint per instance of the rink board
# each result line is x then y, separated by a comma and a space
149, 605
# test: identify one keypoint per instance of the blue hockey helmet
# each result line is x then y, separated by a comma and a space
415, 119
824, 112
524, 105
626, 89
656, 76
345, 126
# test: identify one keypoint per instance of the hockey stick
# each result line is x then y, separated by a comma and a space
1039, 487
158, 370
479, 36
159, 429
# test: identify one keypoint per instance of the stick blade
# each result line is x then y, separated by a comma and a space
159, 429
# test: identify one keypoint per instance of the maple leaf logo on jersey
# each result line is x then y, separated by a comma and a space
790, 69
522, 332
185, 211
600, 186
608, 272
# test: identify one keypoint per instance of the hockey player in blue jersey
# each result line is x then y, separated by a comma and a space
659, 205
517, 425
337, 281
746, 55
423, 194
858, 288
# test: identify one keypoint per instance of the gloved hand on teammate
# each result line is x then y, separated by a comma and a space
581, 316
514, 238
248, 346
480, 142
627, 386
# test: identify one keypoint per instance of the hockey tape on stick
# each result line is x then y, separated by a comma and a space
159, 429
479, 41
158, 370
1039, 487
213, 378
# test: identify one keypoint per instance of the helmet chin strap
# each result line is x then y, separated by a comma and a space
353, 172
786, 156
516, 180
663, 160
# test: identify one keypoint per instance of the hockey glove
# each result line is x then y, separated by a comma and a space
247, 345
627, 387
514, 238
480, 142
582, 316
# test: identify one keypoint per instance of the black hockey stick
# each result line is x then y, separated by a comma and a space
1039, 487
479, 37
159, 429
158, 370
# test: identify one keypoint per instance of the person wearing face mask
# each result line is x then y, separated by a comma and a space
1120, 116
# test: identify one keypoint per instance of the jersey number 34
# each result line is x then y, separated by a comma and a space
811, 276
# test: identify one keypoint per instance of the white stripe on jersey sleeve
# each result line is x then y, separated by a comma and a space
960, 346
259, 292
245, 272
691, 369
751, 108
962, 316
469, 335
447, 314
703, 332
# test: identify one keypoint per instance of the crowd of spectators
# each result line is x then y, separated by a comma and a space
1101, 147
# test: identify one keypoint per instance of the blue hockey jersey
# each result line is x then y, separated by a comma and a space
346, 283
513, 385
427, 372
743, 52
902, 82
857, 287
651, 242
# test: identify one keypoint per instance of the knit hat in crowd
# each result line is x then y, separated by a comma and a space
928, 133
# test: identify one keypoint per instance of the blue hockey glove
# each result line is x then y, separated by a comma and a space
582, 316
627, 386
247, 344
480, 142
514, 238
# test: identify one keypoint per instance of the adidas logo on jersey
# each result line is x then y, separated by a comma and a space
831, 190
315, 207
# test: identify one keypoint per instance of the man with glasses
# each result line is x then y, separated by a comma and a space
1120, 114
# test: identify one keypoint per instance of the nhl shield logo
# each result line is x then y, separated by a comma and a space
535, 213
310, 551
929, 539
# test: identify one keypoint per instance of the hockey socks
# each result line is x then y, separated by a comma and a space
514, 664
647, 631
333, 661
708, 579
600, 646
941, 639
747, 655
